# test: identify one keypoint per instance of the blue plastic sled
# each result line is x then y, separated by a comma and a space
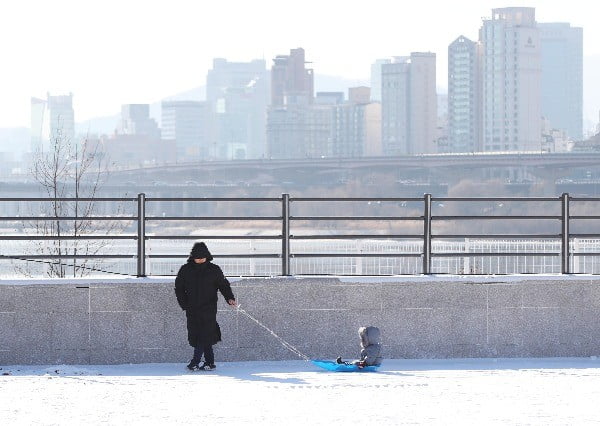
333, 366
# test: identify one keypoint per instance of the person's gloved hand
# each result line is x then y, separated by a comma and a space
361, 364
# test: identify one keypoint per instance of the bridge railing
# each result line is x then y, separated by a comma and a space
283, 228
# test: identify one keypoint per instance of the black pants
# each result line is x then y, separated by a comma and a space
209, 355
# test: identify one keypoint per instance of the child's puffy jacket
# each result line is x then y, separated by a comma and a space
370, 343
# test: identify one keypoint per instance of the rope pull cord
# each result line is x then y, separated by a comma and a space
283, 343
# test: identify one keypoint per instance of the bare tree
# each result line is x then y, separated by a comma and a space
75, 170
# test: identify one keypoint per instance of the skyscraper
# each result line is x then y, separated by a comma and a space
562, 77
329, 98
225, 75
291, 81
186, 124
135, 120
62, 116
136, 141
463, 96
511, 77
38, 116
409, 105
356, 127
52, 119
423, 103
299, 131
376, 78
238, 94
395, 104
296, 126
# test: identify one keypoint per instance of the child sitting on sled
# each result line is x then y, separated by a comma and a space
370, 348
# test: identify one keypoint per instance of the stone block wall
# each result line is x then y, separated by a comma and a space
139, 321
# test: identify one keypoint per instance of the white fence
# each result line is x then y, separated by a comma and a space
340, 265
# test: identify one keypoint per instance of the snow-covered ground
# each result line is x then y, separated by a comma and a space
464, 391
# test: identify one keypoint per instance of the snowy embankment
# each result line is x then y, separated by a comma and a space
459, 391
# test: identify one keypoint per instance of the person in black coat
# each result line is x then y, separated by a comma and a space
196, 288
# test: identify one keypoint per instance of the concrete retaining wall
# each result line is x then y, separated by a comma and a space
136, 321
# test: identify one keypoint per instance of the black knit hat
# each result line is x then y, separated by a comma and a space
200, 251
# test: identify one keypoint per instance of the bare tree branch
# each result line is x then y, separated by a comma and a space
70, 170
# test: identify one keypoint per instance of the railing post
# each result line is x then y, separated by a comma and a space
285, 234
141, 235
427, 234
565, 267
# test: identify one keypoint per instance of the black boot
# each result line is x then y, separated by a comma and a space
207, 367
339, 360
193, 365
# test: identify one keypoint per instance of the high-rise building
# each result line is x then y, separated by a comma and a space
186, 123
376, 78
356, 126
225, 75
359, 95
62, 116
133, 150
238, 94
329, 98
291, 82
348, 131
136, 141
423, 103
52, 119
395, 100
464, 100
299, 131
38, 114
511, 77
562, 77
135, 120
409, 105
297, 127
373, 146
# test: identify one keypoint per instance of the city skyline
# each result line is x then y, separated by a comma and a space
131, 55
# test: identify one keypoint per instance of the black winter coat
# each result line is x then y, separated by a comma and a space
196, 289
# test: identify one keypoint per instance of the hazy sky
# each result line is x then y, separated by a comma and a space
112, 52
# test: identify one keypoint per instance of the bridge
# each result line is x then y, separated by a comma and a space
425, 161
452, 166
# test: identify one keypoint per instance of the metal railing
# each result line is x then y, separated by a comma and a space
287, 219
